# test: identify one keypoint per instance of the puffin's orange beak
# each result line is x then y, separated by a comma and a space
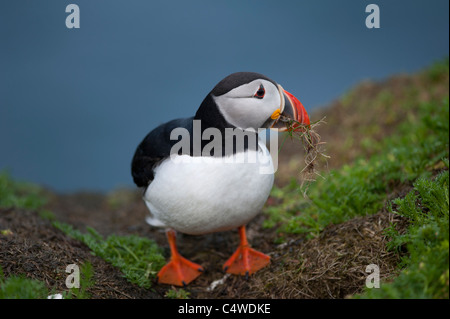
293, 109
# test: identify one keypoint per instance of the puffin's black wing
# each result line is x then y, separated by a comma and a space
153, 149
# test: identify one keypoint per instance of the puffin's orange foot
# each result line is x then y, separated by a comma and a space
179, 272
245, 260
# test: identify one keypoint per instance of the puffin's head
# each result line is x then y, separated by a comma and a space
251, 100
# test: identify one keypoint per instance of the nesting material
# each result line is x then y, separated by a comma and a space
313, 146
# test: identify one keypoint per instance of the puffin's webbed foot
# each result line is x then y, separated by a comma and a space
245, 260
179, 271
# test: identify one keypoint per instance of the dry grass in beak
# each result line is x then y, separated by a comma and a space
312, 145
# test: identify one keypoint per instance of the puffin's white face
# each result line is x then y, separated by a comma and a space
251, 105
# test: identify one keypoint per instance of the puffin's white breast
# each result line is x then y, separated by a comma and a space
198, 195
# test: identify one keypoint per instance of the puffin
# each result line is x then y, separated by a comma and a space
208, 173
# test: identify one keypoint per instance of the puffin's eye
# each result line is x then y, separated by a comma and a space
260, 93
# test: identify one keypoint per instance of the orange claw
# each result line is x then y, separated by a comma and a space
245, 260
179, 271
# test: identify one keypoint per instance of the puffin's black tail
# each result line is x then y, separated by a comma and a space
154, 148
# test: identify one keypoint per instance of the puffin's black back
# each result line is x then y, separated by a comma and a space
156, 146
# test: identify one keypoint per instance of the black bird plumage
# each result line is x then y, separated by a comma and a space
156, 146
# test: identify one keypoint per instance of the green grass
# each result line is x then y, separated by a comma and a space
362, 188
138, 258
425, 271
438, 70
19, 194
20, 287
177, 293
86, 281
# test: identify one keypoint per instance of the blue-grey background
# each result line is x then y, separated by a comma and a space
74, 103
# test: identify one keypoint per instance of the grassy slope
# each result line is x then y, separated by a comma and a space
389, 136
362, 187
426, 269
138, 258
410, 153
